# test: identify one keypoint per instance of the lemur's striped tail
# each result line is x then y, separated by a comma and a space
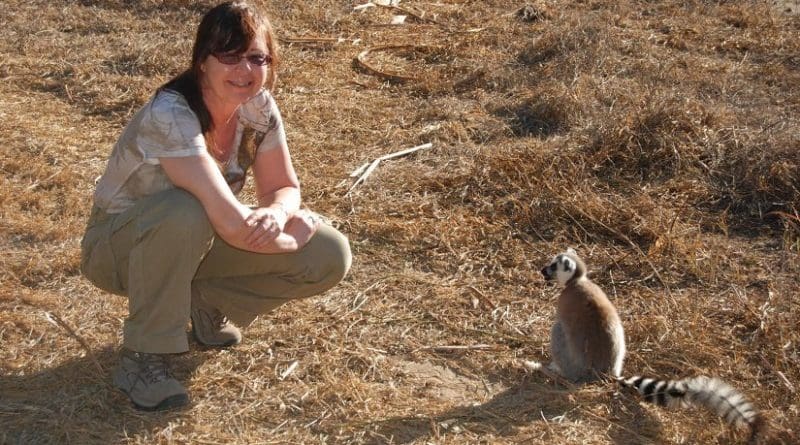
711, 393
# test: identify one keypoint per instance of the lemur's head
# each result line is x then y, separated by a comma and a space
564, 267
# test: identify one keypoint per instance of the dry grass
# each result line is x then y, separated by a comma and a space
661, 139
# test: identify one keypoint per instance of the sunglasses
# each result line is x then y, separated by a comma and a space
234, 59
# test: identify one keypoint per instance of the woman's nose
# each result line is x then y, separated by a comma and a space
244, 64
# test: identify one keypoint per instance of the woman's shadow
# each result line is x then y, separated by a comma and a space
75, 402
532, 399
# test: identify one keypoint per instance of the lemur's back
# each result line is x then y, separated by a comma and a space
592, 326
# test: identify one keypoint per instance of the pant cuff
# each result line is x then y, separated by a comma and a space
157, 344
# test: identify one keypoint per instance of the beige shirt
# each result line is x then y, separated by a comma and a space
165, 127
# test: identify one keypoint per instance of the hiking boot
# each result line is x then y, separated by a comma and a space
146, 379
209, 326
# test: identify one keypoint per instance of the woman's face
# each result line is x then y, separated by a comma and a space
233, 84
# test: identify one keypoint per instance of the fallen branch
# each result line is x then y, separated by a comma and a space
58, 321
325, 40
361, 61
397, 154
366, 169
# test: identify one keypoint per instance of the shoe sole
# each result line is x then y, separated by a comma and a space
170, 402
213, 345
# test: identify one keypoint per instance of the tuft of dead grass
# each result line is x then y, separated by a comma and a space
658, 138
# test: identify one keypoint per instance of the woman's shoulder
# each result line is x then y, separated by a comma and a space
167, 108
260, 112
168, 101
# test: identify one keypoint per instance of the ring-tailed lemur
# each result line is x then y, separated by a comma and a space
587, 343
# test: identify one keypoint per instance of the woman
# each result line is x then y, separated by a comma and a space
167, 229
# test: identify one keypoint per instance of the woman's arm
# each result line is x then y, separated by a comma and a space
279, 198
276, 181
233, 221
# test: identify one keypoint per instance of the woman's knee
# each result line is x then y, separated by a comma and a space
332, 253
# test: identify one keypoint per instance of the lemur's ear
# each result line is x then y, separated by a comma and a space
569, 265
571, 250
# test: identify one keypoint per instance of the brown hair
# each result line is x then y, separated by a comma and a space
227, 27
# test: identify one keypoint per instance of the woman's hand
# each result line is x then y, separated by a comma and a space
302, 226
271, 229
265, 224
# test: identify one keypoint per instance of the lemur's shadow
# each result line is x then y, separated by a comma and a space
75, 402
532, 399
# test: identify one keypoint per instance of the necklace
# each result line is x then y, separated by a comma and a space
222, 140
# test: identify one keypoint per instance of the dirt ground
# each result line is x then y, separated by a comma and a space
787, 6
660, 139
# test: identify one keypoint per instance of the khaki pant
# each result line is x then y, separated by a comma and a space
157, 250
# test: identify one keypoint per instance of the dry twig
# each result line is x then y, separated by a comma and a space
361, 60
365, 170
58, 321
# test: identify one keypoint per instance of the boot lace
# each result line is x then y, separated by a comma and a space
216, 317
220, 320
154, 367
